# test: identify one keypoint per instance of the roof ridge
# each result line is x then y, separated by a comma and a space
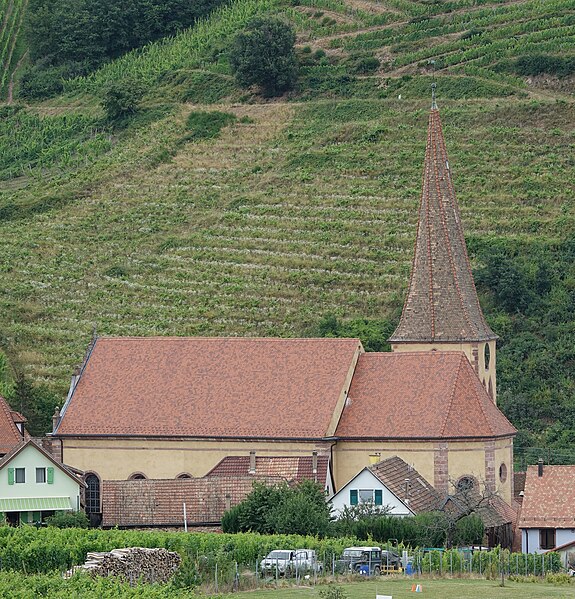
222, 338
452, 394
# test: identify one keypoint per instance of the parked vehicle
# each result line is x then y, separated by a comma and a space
361, 560
305, 560
371, 561
280, 561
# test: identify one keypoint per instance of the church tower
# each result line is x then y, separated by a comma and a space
441, 310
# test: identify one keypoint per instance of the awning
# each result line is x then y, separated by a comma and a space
34, 504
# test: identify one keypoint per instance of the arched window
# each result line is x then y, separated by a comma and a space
184, 475
503, 473
137, 476
92, 494
465, 483
487, 356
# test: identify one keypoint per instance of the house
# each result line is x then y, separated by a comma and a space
34, 486
163, 407
547, 518
142, 502
390, 483
567, 555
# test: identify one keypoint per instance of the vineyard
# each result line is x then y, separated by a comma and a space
11, 41
33, 560
301, 208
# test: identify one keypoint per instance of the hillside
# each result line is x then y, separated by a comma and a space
303, 208
12, 44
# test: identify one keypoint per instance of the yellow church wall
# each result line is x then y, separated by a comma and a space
464, 458
349, 457
504, 455
114, 459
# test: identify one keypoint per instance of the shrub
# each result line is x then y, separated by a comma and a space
121, 99
264, 55
68, 520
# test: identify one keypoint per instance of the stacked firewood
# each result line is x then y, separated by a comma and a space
133, 564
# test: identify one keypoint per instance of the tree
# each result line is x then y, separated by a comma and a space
264, 55
280, 509
121, 99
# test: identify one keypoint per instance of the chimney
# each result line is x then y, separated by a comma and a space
252, 469
228, 501
314, 465
540, 467
407, 491
55, 419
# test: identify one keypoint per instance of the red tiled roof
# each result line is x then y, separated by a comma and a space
441, 303
210, 387
291, 469
417, 395
549, 500
10, 436
394, 472
17, 417
161, 502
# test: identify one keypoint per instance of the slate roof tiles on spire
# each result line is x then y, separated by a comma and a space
442, 303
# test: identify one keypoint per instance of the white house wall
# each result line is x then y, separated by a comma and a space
31, 458
530, 539
366, 480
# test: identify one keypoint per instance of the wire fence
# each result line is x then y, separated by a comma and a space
226, 576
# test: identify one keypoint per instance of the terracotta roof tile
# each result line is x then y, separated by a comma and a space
441, 303
292, 469
205, 387
10, 436
161, 502
549, 500
419, 395
17, 417
393, 473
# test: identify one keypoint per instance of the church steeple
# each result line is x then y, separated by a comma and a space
442, 310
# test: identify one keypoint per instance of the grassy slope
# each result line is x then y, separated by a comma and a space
306, 209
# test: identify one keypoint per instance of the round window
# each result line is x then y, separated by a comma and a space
465, 483
503, 473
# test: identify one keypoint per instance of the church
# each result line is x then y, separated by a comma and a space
179, 407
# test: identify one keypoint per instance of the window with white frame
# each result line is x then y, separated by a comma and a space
20, 475
40, 475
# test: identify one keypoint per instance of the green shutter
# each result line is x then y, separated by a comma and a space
10, 476
36, 517
378, 497
50, 476
24, 518
353, 498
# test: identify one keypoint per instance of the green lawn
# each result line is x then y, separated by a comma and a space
432, 589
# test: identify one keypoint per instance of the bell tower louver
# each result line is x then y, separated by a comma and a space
441, 310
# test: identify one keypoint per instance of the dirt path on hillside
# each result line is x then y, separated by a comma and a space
11, 84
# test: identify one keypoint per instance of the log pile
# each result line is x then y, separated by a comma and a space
133, 564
